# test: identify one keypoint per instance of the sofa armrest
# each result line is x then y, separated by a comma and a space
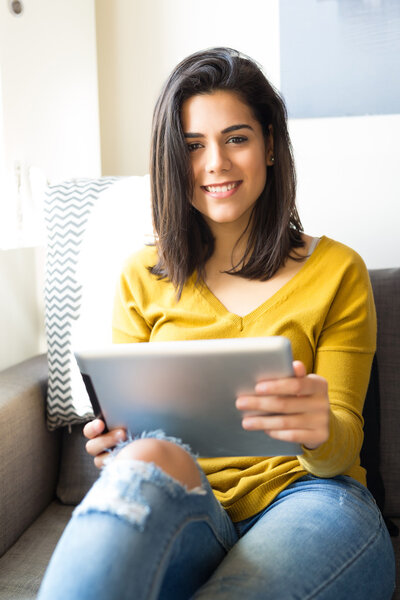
29, 452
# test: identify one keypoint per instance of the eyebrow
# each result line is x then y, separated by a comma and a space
227, 130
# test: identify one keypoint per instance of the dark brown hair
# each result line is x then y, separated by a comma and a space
184, 240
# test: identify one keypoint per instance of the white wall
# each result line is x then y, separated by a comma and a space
347, 168
50, 120
348, 184
20, 322
49, 81
140, 42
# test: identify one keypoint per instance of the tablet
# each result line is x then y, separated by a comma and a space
188, 389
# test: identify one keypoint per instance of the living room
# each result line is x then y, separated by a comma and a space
78, 83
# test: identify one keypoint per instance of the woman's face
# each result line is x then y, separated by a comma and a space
229, 156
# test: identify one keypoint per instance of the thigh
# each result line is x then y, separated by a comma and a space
321, 538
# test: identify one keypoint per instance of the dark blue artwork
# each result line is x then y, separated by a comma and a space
340, 57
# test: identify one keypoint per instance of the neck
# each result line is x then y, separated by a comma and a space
228, 251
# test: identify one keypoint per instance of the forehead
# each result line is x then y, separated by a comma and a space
219, 109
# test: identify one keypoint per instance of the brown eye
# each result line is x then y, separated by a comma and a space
194, 146
238, 139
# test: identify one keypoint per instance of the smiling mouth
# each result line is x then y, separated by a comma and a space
224, 187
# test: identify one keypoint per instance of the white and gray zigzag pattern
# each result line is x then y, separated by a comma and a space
67, 208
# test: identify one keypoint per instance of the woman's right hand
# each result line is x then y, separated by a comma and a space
99, 442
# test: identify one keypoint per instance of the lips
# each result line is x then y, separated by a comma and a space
222, 190
221, 187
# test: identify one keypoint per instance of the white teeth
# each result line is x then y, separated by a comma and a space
215, 189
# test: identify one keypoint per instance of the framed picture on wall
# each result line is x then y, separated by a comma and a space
340, 57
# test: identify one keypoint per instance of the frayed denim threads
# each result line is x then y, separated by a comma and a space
118, 491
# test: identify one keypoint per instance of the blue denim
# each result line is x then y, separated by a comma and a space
140, 534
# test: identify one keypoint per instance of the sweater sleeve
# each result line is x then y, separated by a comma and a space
344, 354
129, 325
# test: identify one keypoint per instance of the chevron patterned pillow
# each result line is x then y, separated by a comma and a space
92, 226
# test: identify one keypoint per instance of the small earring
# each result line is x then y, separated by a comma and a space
272, 159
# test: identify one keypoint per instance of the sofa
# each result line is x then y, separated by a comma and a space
92, 225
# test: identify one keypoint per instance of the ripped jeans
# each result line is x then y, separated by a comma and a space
140, 535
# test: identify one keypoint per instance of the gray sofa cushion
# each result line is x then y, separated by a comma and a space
23, 566
386, 286
77, 470
370, 451
28, 469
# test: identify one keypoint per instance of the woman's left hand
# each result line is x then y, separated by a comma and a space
298, 408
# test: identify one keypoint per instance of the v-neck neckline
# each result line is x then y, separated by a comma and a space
277, 296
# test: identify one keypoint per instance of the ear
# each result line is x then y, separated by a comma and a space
269, 147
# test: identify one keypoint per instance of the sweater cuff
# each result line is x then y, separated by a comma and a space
326, 460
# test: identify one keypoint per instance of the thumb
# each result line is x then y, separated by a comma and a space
299, 369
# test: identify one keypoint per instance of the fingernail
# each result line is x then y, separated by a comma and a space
98, 425
120, 435
262, 387
241, 403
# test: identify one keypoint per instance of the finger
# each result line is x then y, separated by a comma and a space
299, 368
94, 428
309, 439
277, 404
293, 386
109, 440
299, 436
283, 422
99, 459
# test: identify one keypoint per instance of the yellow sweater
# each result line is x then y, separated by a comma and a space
326, 310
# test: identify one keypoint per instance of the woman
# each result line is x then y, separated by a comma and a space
231, 260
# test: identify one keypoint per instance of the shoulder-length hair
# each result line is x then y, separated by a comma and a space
183, 239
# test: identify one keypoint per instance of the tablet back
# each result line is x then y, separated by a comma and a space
188, 389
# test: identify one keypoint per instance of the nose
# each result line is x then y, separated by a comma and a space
217, 159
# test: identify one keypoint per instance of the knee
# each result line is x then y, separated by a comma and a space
169, 457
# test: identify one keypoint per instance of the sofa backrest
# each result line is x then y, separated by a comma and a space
386, 287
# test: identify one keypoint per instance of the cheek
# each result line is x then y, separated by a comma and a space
254, 160
197, 198
196, 167
259, 171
